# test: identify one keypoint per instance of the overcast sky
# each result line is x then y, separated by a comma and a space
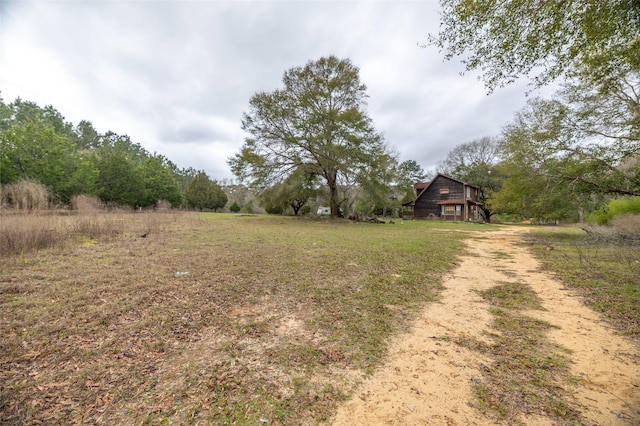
176, 76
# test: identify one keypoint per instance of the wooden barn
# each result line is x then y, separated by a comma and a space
445, 198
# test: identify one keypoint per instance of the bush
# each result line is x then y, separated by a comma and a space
618, 207
274, 209
627, 225
235, 208
248, 208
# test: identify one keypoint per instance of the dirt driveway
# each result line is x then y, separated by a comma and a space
428, 378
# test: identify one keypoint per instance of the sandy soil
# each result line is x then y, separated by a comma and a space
428, 380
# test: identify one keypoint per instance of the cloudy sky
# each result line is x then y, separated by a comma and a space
176, 76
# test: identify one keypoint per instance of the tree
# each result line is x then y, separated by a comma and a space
119, 179
585, 157
543, 39
530, 192
87, 136
293, 192
34, 150
409, 173
475, 162
375, 193
159, 182
317, 121
553, 169
203, 193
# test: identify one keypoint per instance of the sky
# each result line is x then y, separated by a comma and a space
176, 76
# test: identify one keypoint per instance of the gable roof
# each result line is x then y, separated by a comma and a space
428, 184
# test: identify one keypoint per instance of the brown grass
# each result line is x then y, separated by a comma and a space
25, 195
208, 319
87, 204
623, 229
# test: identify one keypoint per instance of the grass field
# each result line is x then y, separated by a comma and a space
209, 318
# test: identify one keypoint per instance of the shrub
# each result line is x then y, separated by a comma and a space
248, 208
618, 207
235, 208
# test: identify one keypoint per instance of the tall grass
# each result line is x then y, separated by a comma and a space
25, 195
24, 233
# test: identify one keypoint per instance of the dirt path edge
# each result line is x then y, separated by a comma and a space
428, 378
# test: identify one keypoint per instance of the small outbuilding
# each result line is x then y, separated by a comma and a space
445, 198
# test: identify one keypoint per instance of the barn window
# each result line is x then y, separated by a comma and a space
444, 190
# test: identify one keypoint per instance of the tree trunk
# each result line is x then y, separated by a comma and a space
487, 214
332, 183
333, 200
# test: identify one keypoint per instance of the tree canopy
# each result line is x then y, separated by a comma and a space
317, 122
292, 192
37, 144
203, 193
542, 39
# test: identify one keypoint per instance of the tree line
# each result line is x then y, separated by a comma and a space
38, 144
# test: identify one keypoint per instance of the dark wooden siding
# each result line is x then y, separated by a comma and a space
428, 205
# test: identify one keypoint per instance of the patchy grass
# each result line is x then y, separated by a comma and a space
528, 372
604, 273
211, 318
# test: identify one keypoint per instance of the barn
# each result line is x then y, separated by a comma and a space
445, 198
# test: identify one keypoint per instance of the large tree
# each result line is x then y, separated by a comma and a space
317, 121
475, 162
120, 181
203, 193
33, 149
543, 39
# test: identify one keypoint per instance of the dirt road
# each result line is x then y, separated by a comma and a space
428, 378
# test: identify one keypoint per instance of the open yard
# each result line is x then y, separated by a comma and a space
228, 319
248, 320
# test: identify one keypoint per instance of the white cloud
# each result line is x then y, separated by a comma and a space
177, 76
